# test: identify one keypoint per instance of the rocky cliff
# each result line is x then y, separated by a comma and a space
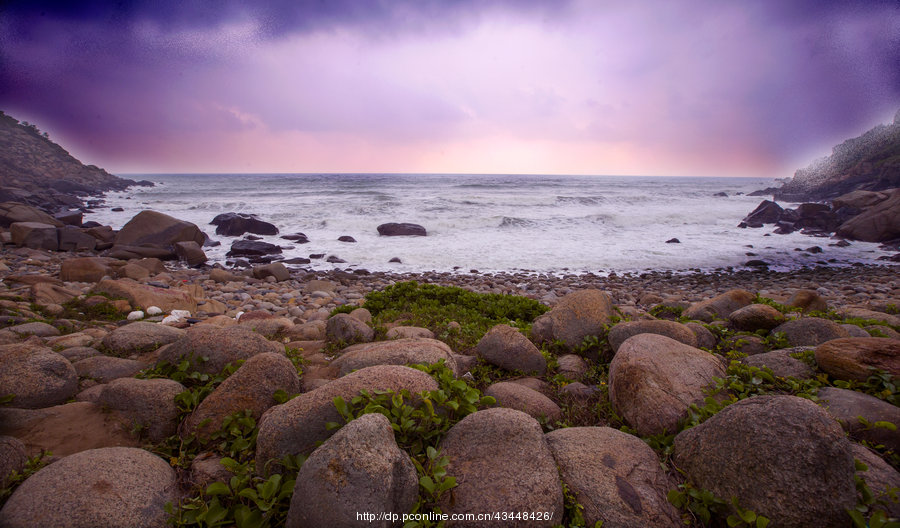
36, 171
870, 162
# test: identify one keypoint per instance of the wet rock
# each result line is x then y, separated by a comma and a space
401, 229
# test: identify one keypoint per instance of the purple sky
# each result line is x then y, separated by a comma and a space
588, 87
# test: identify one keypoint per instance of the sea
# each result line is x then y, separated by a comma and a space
492, 223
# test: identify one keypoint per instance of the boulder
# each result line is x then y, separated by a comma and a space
275, 269
677, 331
401, 229
359, 469
123, 252
810, 331
653, 380
236, 224
85, 269
111, 487
296, 426
577, 315
45, 293
849, 406
879, 223
396, 352
571, 366
13, 212
144, 296
720, 306
12, 458
74, 239
190, 252
34, 235
859, 199
138, 337
808, 301
882, 479
270, 328
783, 457
251, 388
220, 347
521, 398
146, 403
68, 428
34, 329
767, 212
501, 462
705, 338
862, 313
252, 248
36, 376
105, 369
343, 328
782, 364
222, 276
755, 317
615, 476
133, 271
408, 332
856, 358
506, 347
157, 229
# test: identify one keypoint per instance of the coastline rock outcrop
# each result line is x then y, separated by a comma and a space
401, 229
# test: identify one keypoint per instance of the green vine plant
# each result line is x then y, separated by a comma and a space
420, 422
32, 466
702, 505
869, 511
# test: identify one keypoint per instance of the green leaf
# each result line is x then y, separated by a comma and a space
734, 521
218, 488
427, 483
762, 522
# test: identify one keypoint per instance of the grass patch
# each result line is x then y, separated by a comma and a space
436, 307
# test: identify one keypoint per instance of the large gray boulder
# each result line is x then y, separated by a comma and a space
783, 457
755, 317
501, 463
294, 427
251, 387
346, 329
522, 398
397, 352
857, 358
848, 407
219, 347
506, 347
146, 403
105, 368
781, 363
615, 476
138, 337
359, 469
677, 331
810, 331
157, 229
110, 487
653, 380
720, 306
577, 315
36, 376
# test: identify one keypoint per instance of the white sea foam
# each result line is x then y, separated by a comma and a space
490, 222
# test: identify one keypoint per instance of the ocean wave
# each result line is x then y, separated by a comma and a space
580, 200
512, 222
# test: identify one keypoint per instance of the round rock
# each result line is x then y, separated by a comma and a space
396, 352
517, 396
506, 347
110, 487
856, 358
37, 376
810, 331
220, 347
577, 315
138, 337
622, 331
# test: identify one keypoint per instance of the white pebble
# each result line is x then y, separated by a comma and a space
154, 310
180, 313
237, 316
135, 315
171, 319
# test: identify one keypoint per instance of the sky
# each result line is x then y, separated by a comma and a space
656, 87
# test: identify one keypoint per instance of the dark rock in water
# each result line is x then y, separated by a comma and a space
757, 264
401, 229
117, 209
335, 260
840, 243
126, 252
190, 252
238, 263
317, 255
299, 238
721, 195
768, 191
814, 249
251, 248
346, 238
252, 237
297, 260
767, 212
157, 229
673, 241
236, 224
397, 260
91, 223
784, 228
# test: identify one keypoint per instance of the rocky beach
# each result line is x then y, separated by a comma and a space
142, 384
